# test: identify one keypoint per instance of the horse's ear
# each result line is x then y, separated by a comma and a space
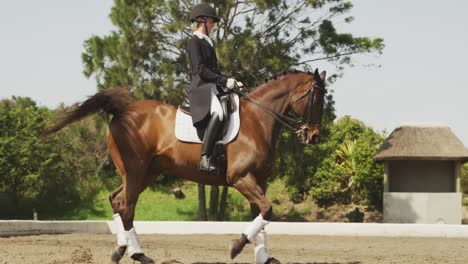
316, 75
323, 75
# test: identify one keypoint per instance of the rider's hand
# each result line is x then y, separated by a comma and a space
232, 83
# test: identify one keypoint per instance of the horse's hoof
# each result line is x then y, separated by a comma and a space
237, 245
118, 254
142, 258
272, 261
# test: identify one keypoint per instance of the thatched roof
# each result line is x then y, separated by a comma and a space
422, 142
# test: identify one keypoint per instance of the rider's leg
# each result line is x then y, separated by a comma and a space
211, 132
209, 140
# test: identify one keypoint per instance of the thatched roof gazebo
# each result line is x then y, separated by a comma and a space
422, 174
422, 142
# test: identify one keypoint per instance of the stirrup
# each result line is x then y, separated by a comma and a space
206, 165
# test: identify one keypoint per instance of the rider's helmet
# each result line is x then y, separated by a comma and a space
203, 11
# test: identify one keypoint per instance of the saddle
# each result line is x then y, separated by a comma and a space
185, 131
227, 103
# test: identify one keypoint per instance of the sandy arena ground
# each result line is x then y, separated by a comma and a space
213, 249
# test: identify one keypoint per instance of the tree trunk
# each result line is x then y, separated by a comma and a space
214, 201
201, 202
222, 204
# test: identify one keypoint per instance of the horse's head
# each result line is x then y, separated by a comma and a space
307, 102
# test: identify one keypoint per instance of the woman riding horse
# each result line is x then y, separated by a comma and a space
206, 82
142, 142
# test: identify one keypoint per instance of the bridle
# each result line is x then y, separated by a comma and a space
288, 121
306, 118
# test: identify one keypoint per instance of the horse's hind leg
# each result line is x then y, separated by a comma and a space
253, 233
137, 174
115, 200
133, 190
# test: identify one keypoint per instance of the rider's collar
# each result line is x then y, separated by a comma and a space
203, 36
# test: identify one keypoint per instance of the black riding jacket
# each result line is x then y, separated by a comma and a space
204, 74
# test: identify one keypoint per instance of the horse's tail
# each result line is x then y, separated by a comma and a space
111, 101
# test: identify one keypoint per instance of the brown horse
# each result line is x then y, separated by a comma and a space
142, 144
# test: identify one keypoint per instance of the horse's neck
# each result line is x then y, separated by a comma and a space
275, 96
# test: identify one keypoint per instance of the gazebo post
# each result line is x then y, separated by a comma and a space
457, 173
386, 177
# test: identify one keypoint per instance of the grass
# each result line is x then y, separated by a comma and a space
159, 204
96, 209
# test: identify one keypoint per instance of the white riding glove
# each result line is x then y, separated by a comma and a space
231, 84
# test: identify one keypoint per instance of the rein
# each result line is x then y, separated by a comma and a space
283, 119
287, 121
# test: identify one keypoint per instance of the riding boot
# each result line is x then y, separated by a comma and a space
209, 139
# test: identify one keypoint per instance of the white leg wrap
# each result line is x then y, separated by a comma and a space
134, 245
260, 248
121, 239
255, 227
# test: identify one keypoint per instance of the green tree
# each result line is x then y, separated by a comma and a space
31, 173
255, 38
54, 175
83, 147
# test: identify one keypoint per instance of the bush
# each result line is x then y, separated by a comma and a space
464, 179
348, 172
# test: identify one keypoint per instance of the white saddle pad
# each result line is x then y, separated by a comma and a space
185, 131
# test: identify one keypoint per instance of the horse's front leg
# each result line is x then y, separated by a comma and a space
254, 233
260, 244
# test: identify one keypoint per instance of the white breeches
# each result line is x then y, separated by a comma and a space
215, 104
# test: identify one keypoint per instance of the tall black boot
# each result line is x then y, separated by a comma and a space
209, 140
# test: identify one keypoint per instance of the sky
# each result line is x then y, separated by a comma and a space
422, 75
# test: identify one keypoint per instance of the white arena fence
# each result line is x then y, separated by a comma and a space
30, 227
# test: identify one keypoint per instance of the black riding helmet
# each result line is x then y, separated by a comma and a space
203, 10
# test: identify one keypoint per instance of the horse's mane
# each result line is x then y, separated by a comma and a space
278, 75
